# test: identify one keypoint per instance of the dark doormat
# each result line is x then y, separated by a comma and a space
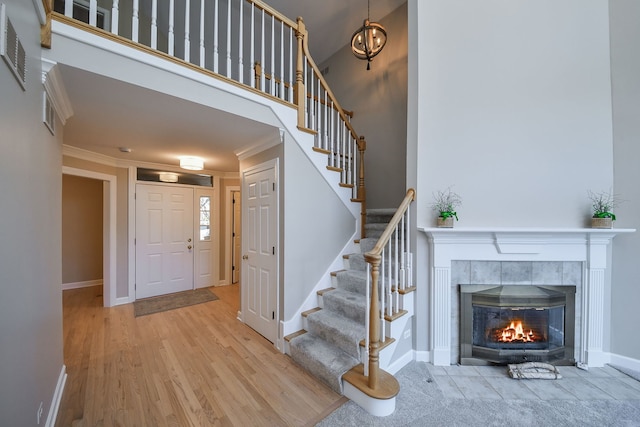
169, 302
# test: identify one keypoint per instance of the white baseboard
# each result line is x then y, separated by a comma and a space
403, 361
78, 285
124, 300
625, 362
57, 397
422, 356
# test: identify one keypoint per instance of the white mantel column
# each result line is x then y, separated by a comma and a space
593, 300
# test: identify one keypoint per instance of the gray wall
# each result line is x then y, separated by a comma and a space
31, 356
625, 72
378, 98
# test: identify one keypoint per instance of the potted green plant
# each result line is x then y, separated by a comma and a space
602, 204
445, 204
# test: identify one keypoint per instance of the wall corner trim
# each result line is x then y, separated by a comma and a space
57, 397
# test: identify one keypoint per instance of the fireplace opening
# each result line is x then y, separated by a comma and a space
517, 323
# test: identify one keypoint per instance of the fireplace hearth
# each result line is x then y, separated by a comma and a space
516, 324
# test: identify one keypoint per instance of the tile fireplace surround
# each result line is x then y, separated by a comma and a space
519, 256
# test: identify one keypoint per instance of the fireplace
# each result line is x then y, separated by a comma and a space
517, 323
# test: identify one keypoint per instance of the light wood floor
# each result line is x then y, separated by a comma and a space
194, 366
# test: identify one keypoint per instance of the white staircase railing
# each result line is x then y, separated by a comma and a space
389, 274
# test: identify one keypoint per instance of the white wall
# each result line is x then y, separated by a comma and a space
509, 103
514, 109
625, 70
31, 357
317, 227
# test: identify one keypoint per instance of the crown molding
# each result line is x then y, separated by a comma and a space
53, 84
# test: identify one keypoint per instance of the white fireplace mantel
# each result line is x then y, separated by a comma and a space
588, 245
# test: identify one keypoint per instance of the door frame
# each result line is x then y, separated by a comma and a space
228, 226
275, 165
109, 195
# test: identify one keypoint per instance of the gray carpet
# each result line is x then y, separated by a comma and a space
421, 403
160, 303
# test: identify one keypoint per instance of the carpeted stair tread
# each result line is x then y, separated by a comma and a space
352, 281
344, 303
340, 331
322, 359
380, 215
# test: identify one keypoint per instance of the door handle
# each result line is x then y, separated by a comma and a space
189, 240
245, 256
189, 247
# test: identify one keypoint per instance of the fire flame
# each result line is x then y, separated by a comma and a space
515, 333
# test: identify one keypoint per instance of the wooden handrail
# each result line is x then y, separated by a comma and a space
323, 82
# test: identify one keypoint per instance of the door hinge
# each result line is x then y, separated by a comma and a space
274, 186
233, 268
273, 315
273, 250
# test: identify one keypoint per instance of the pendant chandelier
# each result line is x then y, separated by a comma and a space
368, 40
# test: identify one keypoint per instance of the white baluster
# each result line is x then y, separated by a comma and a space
403, 277
154, 24
291, 74
409, 254
311, 117
229, 39
272, 86
171, 35
252, 47
396, 272
187, 24
68, 8
262, 79
325, 123
115, 14
216, 48
202, 51
134, 21
93, 12
281, 71
318, 106
240, 44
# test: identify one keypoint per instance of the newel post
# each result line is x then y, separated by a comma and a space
361, 193
374, 322
299, 90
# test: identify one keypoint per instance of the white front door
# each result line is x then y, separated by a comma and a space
164, 239
259, 237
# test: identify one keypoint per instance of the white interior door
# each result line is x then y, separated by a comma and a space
259, 273
236, 245
164, 239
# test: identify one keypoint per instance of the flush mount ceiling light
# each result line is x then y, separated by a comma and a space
168, 177
192, 163
368, 40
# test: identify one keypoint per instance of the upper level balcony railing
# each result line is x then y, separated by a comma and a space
245, 41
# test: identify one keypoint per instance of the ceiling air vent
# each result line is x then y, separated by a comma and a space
11, 49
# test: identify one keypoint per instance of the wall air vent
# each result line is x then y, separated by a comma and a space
11, 49
48, 113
